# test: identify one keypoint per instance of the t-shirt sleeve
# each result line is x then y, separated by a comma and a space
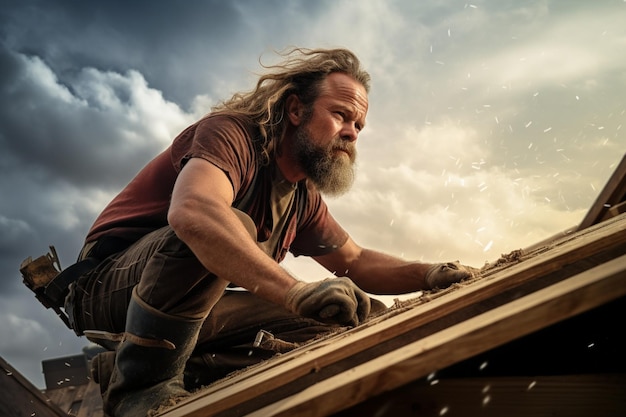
318, 231
224, 141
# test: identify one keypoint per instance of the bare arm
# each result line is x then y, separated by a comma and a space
200, 213
376, 272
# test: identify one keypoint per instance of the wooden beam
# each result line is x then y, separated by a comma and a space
321, 360
560, 301
68, 397
516, 396
615, 210
91, 406
20, 398
613, 193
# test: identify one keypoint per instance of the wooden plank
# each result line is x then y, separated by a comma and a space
615, 210
565, 299
78, 400
613, 193
520, 396
91, 405
573, 254
66, 397
20, 398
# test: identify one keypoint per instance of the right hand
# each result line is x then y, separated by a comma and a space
445, 274
332, 301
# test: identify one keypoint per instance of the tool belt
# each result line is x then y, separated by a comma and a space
45, 277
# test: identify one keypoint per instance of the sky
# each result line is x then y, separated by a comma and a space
493, 124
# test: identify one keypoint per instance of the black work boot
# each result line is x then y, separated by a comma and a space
150, 361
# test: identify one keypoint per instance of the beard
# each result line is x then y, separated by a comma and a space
331, 170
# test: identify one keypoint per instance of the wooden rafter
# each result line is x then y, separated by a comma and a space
612, 199
20, 398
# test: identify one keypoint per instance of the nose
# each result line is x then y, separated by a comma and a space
349, 132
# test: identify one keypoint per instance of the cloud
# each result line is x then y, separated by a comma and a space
75, 134
29, 338
442, 199
11, 232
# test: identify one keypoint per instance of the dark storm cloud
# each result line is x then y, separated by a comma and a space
155, 38
180, 48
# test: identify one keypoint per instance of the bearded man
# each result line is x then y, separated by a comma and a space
220, 208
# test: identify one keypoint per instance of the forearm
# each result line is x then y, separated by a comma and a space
379, 273
224, 246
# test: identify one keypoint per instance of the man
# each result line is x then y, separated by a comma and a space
222, 205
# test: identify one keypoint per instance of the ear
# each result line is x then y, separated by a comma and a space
294, 109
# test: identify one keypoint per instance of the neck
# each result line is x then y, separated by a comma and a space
288, 164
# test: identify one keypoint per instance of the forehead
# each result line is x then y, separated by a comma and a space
344, 89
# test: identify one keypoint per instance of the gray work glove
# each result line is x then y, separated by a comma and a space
446, 274
332, 301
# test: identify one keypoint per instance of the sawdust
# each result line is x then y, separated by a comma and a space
426, 296
170, 402
509, 258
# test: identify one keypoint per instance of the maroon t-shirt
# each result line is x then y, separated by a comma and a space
228, 142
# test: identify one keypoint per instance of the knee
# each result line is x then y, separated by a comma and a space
167, 241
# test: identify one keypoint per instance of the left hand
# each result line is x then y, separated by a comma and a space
445, 274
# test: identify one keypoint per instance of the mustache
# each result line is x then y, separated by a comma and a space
341, 145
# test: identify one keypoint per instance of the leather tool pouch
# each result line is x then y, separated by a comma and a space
39, 273
49, 282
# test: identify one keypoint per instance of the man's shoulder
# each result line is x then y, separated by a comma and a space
222, 131
225, 120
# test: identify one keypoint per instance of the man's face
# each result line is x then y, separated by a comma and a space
331, 171
324, 143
